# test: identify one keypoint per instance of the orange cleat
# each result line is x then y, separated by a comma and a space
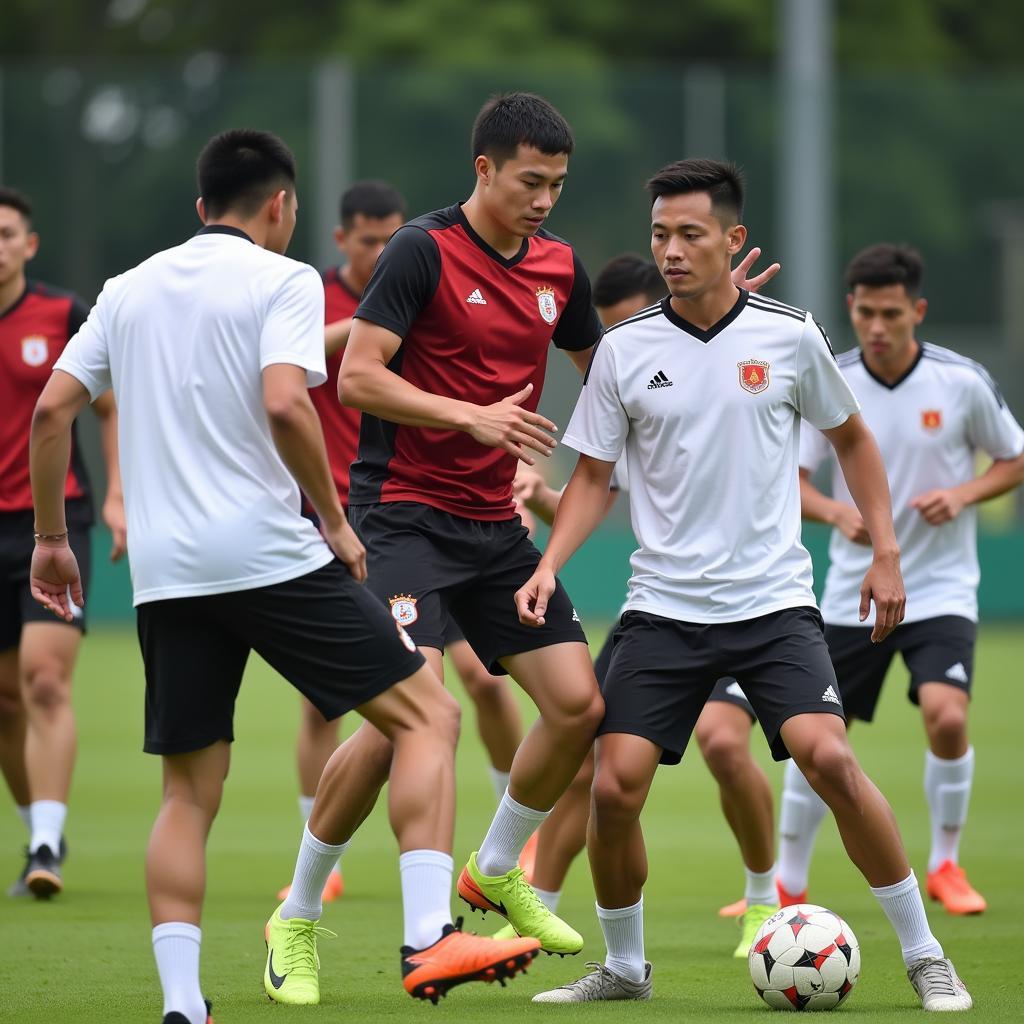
334, 888
458, 957
737, 909
528, 858
787, 899
949, 886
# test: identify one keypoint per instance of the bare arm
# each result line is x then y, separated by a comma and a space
336, 335
819, 508
864, 472
366, 383
941, 506
533, 491
299, 439
113, 504
580, 510
54, 570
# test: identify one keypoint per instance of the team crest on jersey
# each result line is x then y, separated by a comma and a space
546, 304
403, 609
754, 375
931, 419
34, 350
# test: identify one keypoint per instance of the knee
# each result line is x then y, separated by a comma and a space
947, 727
615, 799
482, 687
446, 717
727, 755
581, 715
831, 767
46, 688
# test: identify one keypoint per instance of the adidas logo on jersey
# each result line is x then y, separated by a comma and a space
831, 696
659, 380
476, 299
957, 673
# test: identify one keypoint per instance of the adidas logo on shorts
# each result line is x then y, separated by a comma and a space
831, 696
957, 673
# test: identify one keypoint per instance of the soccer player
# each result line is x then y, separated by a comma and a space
931, 411
446, 360
712, 377
209, 348
626, 285
370, 213
37, 654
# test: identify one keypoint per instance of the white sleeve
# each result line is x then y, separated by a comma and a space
293, 327
823, 396
86, 356
599, 423
814, 447
990, 424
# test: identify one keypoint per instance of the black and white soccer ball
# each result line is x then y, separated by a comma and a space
804, 958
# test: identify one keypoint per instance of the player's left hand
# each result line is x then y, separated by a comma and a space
883, 584
753, 284
54, 576
938, 507
113, 516
533, 596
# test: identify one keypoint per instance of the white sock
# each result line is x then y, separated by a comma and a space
903, 906
176, 950
499, 780
305, 807
548, 898
947, 787
47, 824
312, 866
426, 895
624, 936
513, 824
25, 813
801, 815
760, 888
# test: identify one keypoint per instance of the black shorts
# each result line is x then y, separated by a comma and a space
17, 605
939, 650
726, 690
428, 565
452, 634
326, 634
662, 673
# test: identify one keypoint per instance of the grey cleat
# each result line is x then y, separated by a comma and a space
599, 984
19, 887
935, 980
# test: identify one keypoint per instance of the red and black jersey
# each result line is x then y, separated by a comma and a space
475, 327
33, 333
341, 424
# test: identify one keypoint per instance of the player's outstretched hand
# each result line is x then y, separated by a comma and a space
883, 584
533, 596
113, 516
343, 541
507, 425
54, 577
938, 507
850, 524
753, 284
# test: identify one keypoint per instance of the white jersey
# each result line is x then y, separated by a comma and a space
928, 425
182, 339
710, 422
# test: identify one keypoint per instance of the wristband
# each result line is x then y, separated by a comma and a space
51, 536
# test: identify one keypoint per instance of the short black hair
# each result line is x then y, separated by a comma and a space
885, 264
370, 198
723, 183
625, 276
241, 169
513, 119
16, 201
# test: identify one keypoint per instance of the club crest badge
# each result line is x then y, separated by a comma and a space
931, 420
35, 350
754, 375
403, 609
546, 304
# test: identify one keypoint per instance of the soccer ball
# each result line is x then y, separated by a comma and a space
804, 958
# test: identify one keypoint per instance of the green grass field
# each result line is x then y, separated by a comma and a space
86, 957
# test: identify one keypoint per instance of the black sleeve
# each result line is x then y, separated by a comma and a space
578, 327
403, 282
77, 315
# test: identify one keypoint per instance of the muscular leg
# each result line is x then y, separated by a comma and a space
12, 728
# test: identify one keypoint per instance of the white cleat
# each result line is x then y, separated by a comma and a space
935, 980
599, 984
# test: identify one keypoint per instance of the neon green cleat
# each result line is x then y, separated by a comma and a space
504, 934
512, 897
755, 916
292, 971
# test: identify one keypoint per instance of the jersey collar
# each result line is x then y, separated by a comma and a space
223, 229
896, 383
508, 264
19, 300
716, 328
